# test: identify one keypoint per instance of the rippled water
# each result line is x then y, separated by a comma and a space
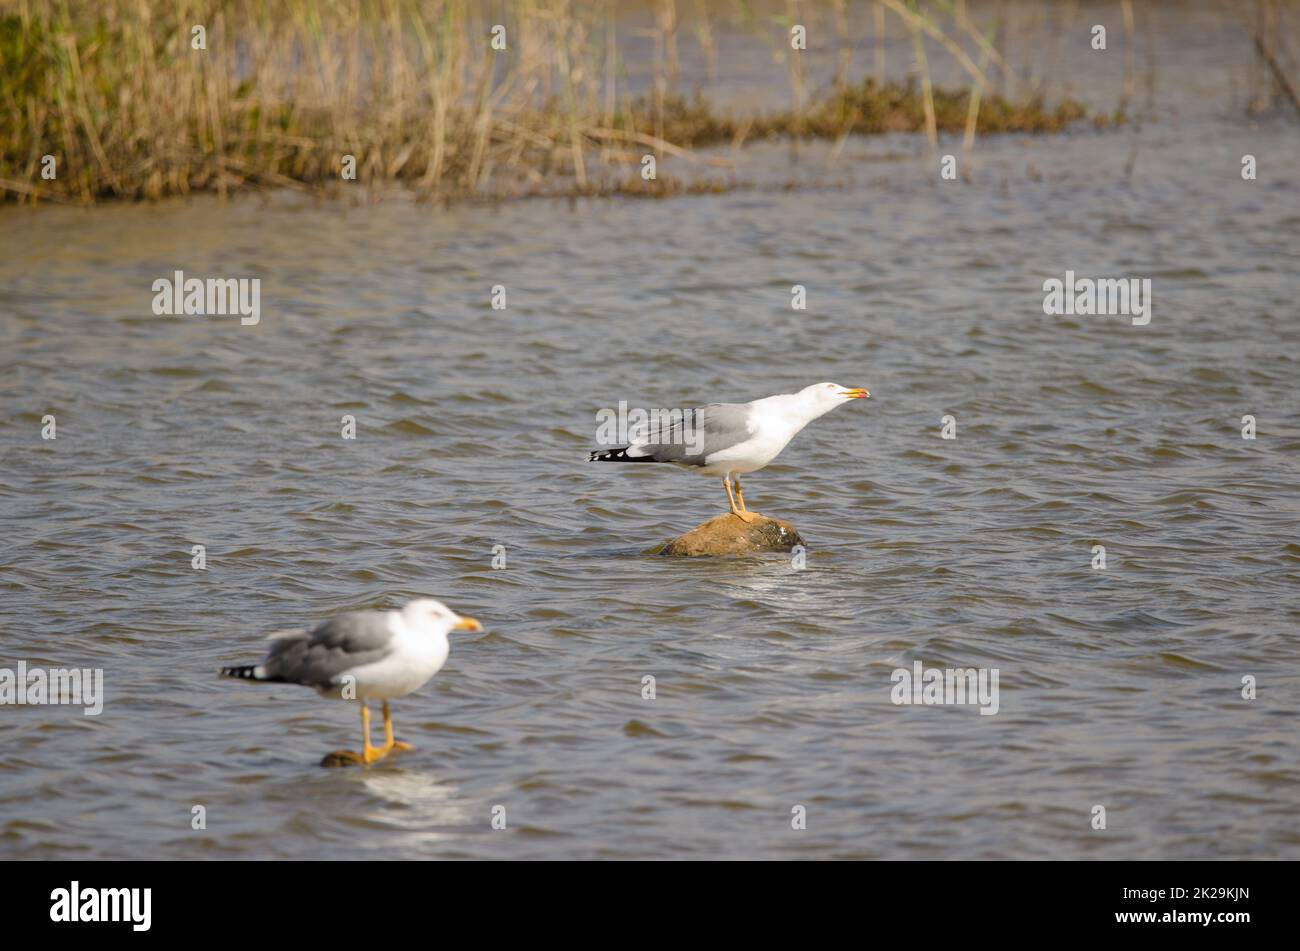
1119, 687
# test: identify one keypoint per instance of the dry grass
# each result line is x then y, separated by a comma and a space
286, 88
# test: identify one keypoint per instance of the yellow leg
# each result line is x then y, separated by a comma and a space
389, 742
740, 496
369, 754
740, 513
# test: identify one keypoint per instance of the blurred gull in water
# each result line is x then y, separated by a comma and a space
363, 655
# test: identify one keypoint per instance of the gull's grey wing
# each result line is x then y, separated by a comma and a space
696, 436
320, 656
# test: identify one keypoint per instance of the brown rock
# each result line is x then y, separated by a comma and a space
731, 535
341, 758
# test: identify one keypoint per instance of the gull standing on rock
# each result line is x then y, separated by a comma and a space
363, 655
728, 439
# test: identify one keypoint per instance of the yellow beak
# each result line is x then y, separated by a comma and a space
467, 624
857, 393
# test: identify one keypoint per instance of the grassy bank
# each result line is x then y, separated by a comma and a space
282, 90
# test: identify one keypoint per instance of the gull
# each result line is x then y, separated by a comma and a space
728, 439
363, 655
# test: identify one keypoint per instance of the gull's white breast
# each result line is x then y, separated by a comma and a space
772, 432
419, 653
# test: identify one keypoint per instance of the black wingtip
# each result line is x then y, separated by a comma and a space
617, 455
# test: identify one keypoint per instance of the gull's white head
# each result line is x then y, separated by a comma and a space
436, 616
824, 397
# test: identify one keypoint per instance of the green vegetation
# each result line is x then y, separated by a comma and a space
284, 89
